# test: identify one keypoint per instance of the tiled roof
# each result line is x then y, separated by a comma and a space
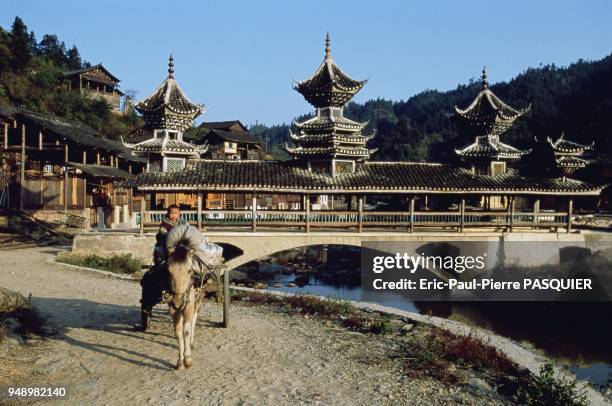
487, 114
563, 146
331, 151
486, 146
90, 69
329, 85
169, 95
161, 144
372, 177
72, 131
328, 123
101, 171
221, 125
234, 136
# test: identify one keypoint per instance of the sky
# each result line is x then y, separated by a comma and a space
240, 58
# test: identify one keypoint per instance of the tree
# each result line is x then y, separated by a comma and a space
20, 45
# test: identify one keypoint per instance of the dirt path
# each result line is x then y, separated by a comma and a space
265, 357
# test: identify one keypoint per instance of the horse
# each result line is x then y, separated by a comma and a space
185, 303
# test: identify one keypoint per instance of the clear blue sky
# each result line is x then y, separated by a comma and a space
239, 57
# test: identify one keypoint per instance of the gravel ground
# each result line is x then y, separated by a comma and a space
265, 357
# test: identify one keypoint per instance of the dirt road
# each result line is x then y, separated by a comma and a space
265, 357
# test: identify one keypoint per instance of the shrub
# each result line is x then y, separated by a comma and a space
125, 264
381, 327
546, 389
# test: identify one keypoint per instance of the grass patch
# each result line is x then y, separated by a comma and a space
434, 351
122, 264
546, 389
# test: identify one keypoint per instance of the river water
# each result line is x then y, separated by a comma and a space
575, 334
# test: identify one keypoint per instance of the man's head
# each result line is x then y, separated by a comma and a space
173, 212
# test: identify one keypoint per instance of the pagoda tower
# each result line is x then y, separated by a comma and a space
329, 142
167, 113
569, 155
486, 119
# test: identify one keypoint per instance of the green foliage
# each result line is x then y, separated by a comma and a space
125, 264
546, 389
382, 326
31, 77
575, 100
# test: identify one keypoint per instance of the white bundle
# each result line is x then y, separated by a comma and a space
206, 255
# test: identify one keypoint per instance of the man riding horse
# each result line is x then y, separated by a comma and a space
155, 280
173, 231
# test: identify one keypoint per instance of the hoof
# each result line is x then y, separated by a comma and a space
179, 365
188, 362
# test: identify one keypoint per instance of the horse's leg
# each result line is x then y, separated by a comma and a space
178, 331
188, 333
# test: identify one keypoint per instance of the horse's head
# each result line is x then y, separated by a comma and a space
180, 270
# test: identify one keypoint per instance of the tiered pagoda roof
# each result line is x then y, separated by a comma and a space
487, 114
168, 107
329, 135
570, 155
164, 144
489, 147
486, 119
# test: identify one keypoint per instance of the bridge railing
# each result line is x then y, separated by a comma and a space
360, 220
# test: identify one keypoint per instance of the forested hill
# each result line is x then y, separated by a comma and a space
576, 100
31, 77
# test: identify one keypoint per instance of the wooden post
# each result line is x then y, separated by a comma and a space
5, 135
307, 203
97, 157
511, 213
411, 217
142, 213
40, 140
84, 193
254, 212
570, 204
462, 214
536, 209
360, 215
22, 168
65, 177
199, 209
226, 298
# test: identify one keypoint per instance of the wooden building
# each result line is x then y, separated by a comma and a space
95, 82
56, 166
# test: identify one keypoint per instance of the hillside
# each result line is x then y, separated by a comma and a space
31, 77
576, 100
